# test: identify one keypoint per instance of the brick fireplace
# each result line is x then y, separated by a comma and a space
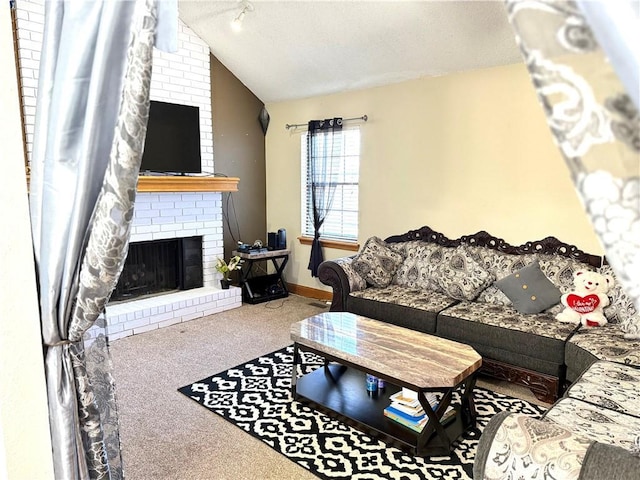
171, 215
160, 213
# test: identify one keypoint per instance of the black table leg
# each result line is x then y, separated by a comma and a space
468, 407
294, 372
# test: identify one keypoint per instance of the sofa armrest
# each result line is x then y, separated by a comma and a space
516, 446
609, 461
342, 278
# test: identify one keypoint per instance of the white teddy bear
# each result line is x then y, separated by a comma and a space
587, 301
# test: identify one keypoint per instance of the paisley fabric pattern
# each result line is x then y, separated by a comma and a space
494, 296
524, 447
356, 282
403, 247
595, 422
377, 263
419, 268
595, 123
420, 299
621, 310
609, 385
541, 324
560, 270
460, 276
498, 263
608, 343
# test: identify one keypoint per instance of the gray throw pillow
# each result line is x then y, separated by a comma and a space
377, 263
529, 289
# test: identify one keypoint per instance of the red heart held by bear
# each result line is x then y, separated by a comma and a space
583, 304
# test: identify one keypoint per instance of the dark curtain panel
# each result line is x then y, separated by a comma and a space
322, 166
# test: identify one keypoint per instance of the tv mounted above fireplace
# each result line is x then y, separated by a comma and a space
172, 144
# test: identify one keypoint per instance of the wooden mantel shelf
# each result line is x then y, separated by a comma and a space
184, 184
187, 184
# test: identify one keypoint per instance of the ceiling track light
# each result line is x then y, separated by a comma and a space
245, 6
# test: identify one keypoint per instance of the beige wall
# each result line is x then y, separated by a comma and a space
24, 424
459, 153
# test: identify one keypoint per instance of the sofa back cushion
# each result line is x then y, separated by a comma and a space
418, 271
500, 265
460, 276
377, 263
560, 270
557, 268
449, 270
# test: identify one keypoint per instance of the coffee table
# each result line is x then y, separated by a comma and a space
353, 345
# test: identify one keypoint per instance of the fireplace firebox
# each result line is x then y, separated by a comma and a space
160, 266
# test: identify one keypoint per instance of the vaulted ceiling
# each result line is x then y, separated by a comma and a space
296, 49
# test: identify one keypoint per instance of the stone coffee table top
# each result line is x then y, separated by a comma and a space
415, 358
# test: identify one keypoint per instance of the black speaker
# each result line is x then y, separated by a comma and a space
282, 239
272, 240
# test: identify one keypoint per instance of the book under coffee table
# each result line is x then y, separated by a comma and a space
353, 345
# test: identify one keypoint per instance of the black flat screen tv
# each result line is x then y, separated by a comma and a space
172, 145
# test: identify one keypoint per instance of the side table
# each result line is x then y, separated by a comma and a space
263, 288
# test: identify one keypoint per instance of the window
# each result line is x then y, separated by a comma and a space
342, 221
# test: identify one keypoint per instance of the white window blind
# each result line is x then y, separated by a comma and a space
342, 221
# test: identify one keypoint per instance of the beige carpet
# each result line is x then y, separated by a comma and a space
165, 435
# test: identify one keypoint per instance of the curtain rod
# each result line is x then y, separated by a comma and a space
296, 125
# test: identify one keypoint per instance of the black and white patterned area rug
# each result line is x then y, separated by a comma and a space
256, 397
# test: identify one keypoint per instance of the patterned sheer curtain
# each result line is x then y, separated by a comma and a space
322, 168
91, 117
584, 61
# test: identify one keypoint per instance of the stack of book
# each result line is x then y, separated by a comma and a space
405, 408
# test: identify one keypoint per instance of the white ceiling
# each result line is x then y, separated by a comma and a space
297, 49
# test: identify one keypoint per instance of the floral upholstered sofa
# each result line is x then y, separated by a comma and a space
454, 288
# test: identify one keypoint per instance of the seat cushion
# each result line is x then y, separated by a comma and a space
594, 422
416, 309
599, 343
533, 341
610, 385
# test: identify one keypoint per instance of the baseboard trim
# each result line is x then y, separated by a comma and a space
309, 292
